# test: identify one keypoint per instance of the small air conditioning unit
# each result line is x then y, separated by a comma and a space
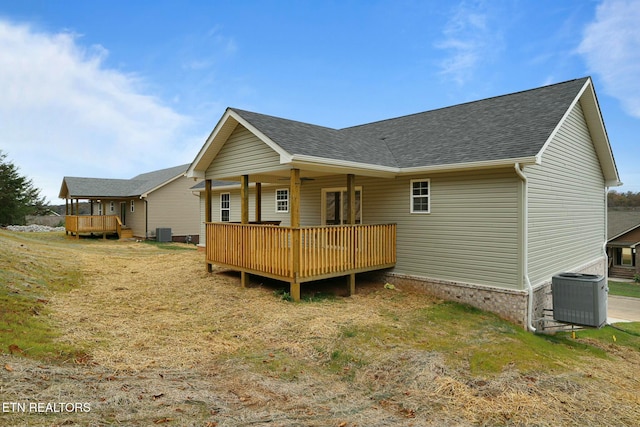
580, 299
163, 234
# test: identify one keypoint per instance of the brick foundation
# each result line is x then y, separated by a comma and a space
509, 304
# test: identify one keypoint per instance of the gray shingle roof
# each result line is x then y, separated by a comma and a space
504, 127
113, 188
621, 221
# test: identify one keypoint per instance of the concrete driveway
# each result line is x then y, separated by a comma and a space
623, 309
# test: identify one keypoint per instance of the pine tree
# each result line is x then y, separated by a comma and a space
18, 196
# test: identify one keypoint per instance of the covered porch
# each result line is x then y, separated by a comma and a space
77, 223
293, 253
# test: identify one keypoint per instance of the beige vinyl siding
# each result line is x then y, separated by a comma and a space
566, 203
135, 219
243, 153
471, 234
173, 206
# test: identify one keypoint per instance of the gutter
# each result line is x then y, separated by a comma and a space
525, 243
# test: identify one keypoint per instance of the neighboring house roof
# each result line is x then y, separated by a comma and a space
621, 222
140, 185
495, 131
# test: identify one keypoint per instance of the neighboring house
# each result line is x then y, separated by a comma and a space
134, 207
480, 203
622, 246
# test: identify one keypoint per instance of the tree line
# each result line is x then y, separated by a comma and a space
623, 200
18, 196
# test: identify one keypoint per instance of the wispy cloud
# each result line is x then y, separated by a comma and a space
62, 112
611, 48
468, 40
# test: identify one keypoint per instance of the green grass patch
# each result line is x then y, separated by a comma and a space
624, 289
28, 279
167, 246
625, 334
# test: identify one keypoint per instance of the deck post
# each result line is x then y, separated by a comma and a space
208, 214
78, 214
351, 220
258, 215
244, 279
295, 291
66, 210
351, 199
351, 281
244, 199
294, 191
244, 219
207, 201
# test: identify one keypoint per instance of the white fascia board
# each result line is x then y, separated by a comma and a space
264, 138
561, 122
599, 133
235, 187
195, 174
197, 168
488, 164
342, 166
323, 164
218, 137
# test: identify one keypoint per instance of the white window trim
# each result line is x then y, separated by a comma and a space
225, 209
133, 206
412, 197
112, 206
287, 200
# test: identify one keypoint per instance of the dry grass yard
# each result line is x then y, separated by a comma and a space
139, 334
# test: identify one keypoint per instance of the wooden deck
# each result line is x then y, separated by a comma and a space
99, 224
301, 254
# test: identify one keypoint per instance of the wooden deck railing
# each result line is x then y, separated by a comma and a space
304, 253
76, 224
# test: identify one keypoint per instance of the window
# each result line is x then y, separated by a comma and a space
112, 206
99, 208
133, 204
420, 199
225, 206
282, 200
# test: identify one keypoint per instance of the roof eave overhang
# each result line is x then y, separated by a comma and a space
321, 164
456, 167
226, 125
328, 165
593, 116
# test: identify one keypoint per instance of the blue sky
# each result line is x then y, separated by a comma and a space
111, 89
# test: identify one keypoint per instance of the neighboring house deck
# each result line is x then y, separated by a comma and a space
481, 202
623, 243
133, 207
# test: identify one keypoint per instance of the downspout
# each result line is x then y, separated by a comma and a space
606, 236
525, 244
146, 219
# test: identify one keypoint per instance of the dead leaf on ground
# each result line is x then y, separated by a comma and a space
8, 368
13, 349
